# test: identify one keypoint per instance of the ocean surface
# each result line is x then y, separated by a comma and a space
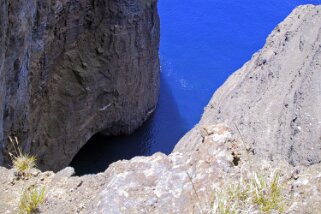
202, 43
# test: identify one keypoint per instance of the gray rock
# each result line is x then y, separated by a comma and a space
274, 101
167, 184
260, 128
156, 184
66, 172
178, 183
70, 69
209, 157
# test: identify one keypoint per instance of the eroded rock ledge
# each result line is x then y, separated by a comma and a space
70, 69
214, 154
178, 183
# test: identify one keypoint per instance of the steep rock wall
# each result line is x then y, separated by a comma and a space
72, 68
208, 158
3, 30
274, 100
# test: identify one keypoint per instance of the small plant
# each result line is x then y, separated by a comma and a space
251, 194
22, 162
255, 194
268, 193
31, 199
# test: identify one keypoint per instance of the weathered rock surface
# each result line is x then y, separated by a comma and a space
272, 105
212, 155
70, 69
275, 99
156, 184
178, 183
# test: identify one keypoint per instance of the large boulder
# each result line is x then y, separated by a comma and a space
70, 69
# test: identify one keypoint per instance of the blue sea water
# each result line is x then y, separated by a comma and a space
202, 43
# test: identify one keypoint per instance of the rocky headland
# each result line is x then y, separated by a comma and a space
70, 69
265, 118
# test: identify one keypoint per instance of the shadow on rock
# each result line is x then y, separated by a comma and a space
159, 133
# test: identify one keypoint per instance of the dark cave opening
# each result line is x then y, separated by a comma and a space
159, 133
101, 151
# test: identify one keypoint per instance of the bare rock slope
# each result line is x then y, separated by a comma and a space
70, 69
274, 100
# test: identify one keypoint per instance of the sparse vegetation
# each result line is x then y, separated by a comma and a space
22, 162
252, 194
268, 193
31, 199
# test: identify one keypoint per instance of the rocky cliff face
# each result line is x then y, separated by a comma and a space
271, 114
72, 68
214, 155
274, 100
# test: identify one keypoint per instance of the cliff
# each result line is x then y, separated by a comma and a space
70, 69
274, 100
278, 82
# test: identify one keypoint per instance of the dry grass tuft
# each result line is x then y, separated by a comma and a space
31, 199
22, 162
253, 193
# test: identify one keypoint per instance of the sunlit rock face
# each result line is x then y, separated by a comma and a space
72, 68
212, 155
182, 182
274, 100
266, 117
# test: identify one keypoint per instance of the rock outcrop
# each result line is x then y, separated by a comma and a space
272, 108
70, 69
214, 155
274, 100
178, 183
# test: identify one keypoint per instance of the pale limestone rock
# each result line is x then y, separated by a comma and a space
274, 101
